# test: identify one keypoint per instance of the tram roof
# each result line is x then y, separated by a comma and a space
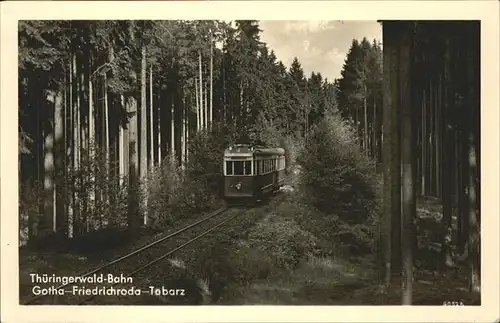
247, 150
269, 151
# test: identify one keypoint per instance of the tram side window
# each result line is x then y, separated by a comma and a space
248, 168
229, 168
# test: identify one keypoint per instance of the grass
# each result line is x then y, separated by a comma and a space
326, 273
283, 253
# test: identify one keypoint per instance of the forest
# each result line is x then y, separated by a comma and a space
103, 103
121, 123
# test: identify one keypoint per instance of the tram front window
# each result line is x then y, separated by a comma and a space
238, 168
248, 168
229, 168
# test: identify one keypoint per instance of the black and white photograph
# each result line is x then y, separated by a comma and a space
213, 162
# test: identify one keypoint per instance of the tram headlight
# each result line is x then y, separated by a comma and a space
238, 186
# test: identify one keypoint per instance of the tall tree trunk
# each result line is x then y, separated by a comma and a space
458, 181
374, 130
389, 144
183, 131
395, 160
121, 146
407, 156
473, 133
474, 232
151, 120
59, 160
126, 140
206, 106
71, 147
238, 119
366, 123
172, 129
358, 130
211, 77
39, 219
66, 145
133, 198
447, 169
143, 157
198, 106
202, 124
437, 137
187, 134
159, 126
423, 168
432, 159
48, 224
224, 100
106, 139
463, 202
91, 145
76, 145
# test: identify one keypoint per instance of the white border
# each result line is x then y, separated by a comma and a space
486, 11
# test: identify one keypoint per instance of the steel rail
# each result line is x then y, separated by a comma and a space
135, 252
149, 245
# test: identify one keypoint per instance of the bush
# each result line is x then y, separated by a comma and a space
178, 191
90, 198
339, 178
342, 183
250, 264
271, 135
100, 200
205, 158
29, 207
164, 193
283, 239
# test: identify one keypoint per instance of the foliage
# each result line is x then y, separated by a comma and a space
282, 239
165, 194
339, 179
175, 191
100, 199
205, 152
253, 94
359, 93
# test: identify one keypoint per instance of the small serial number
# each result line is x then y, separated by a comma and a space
453, 303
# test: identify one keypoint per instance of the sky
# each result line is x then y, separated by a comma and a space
320, 46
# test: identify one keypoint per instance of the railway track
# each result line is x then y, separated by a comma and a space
152, 260
147, 253
118, 275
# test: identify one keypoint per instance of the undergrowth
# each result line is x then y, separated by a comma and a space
177, 191
341, 183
